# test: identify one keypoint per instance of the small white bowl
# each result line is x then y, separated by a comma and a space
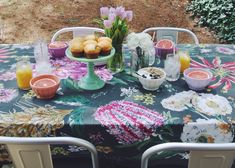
194, 83
151, 83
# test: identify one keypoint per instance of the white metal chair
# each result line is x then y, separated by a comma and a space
77, 31
35, 152
80, 31
202, 155
170, 33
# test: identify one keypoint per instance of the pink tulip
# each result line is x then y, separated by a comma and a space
112, 10
129, 15
120, 11
104, 11
112, 17
123, 16
107, 23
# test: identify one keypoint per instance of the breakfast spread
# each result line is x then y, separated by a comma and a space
90, 46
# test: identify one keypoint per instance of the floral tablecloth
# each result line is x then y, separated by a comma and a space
122, 119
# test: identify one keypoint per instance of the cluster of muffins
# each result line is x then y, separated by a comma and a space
90, 46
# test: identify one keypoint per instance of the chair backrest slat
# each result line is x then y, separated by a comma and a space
77, 31
220, 155
31, 156
28, 152
170, 33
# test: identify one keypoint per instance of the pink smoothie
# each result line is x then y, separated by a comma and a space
198, 74
44, 83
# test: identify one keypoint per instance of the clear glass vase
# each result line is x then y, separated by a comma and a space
141, 58
116, 64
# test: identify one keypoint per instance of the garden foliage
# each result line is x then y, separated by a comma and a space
218, 15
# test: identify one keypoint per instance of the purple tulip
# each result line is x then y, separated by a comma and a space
112, 17
129, 15
120, 11
123, 16
108, 23
104, 11
112, 10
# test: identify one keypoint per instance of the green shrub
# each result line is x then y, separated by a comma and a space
218, 15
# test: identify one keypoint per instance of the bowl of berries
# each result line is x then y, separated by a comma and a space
151, 77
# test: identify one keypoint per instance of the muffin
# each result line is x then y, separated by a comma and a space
105, 38
90, 37
92, 51
77, 49
105, 46
77, 39
89, 42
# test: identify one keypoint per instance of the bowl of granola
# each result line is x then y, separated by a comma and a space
151, 77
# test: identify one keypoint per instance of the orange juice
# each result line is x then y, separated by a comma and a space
23, 75
184, 61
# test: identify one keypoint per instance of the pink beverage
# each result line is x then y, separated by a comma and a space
44, 83
57, 44
198, 74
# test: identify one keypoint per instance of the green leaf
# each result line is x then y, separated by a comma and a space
117, 81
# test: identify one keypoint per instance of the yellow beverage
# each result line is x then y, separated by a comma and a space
184, 61
23, 76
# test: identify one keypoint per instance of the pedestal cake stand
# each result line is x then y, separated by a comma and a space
90, 81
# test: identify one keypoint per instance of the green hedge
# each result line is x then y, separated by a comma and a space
218, 15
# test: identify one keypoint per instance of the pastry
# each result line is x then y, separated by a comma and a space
105, 38
77, 39
92, 51
90, 37
77, 49
105, 46
89, 42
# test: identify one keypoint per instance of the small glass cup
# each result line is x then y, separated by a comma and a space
24, 73
172, 67
184, 60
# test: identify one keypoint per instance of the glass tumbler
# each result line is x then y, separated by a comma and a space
172, 67
24, 73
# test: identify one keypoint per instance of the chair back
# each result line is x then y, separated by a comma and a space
171, 33
201, 155
35, 152
77, 31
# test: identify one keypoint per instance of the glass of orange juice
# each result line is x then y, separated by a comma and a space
184, 60
24, 73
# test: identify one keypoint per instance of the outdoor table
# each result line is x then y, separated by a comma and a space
122, 119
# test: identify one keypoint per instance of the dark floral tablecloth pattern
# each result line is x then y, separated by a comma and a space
122, 119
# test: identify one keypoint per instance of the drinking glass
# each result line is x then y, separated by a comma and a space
172, 67
141, 58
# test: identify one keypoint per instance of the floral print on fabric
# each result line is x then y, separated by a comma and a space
65, 68
5, 54
223, 73
211, 104
225, 50
128, 92
7, 76
146, 98
32, 121
179, 101
207, 131
6, 95
128, 121
201, 102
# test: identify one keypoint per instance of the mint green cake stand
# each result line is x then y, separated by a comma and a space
90, 81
